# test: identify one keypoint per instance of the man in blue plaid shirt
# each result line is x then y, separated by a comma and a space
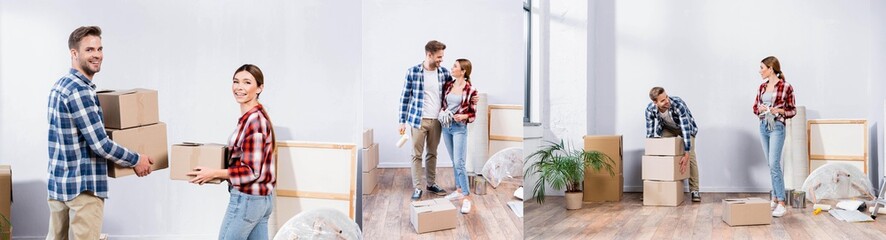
669, 116
79, 148
420, 103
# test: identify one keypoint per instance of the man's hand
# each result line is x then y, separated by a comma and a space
402, 128
143, 167
684, 163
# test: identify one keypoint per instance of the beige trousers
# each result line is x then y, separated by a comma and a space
427, 135
82, 216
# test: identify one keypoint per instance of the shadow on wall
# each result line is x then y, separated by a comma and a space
30, 211
633, 170
724, 143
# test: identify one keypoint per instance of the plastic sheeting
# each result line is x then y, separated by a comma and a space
478, 136
319, 224
835, 181
503, 165
795, 155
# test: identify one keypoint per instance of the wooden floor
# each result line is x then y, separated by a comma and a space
629, 219
386, 210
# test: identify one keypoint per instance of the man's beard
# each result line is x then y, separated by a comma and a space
87, 70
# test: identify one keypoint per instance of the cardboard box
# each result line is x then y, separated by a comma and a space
6, 201
432, 215
149, 140
663, 168
129, 108
664, 146
603, 188
746, 211
370, 180
609, 145
367, 138
185, 157
370, 157
662, 193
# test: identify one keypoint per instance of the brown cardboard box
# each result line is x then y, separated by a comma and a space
149, 140
663, 168
367, 138
746, 211
603, 188
662, 193
184, 157
5, 201
664, 146
432, 215
129, 108
370, 157
370, 180
609, 145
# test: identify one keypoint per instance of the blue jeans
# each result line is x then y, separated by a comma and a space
773, 142
456, 139
247, 216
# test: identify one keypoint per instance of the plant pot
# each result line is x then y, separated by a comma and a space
573, 200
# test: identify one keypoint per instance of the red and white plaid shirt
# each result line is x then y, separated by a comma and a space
784, 99
252, 169
467, 106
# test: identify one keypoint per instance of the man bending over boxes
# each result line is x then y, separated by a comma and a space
668, 116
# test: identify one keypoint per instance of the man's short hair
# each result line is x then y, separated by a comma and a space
653, 94
80, 33
434, 46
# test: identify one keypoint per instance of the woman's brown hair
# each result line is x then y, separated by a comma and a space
772, 62
465, 65
260, 81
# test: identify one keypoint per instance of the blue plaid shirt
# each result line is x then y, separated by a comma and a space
78, 144
679, 111
413, 93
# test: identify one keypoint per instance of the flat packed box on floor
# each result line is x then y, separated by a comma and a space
603, 188
663, 168
746, 211
609, 145
149, 140
6, 199
370, 180
432, 215
129, 108
664, 146
370, 157
367, 138
184, 157
662, 193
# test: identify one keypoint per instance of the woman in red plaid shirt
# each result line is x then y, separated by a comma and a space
774, 104
458, 109
252, 167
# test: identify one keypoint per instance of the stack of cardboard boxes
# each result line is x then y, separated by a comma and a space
132, 120
187, 156
662, 178
370, 162
601, 186
5, 202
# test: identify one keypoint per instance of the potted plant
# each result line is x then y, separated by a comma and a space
561, 166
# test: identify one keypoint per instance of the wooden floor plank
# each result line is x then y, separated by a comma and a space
629, 219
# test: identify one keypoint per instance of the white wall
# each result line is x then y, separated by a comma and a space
708, 53
309, 51
489, 33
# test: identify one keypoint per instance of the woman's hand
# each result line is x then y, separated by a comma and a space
777, 110
460, 117
202, 175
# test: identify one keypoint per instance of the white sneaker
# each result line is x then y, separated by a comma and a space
466, 206
455, 195
779, 211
